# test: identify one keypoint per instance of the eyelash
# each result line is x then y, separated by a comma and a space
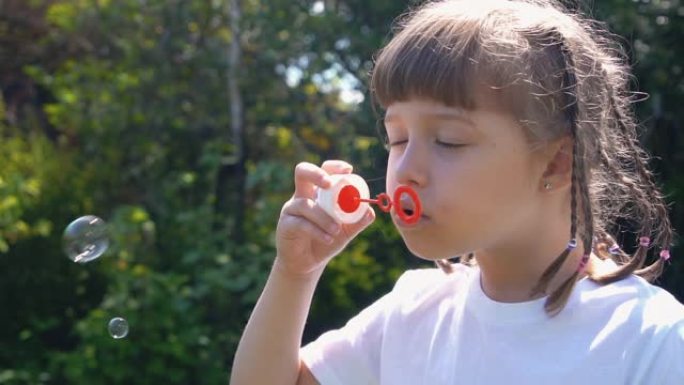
449, 145
439, 143
397, 143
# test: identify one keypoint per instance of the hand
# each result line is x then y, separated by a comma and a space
307, 237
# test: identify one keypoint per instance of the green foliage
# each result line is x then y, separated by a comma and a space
167, 343
22, 179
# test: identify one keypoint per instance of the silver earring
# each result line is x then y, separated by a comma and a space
547, 185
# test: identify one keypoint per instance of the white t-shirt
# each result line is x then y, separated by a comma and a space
434, 329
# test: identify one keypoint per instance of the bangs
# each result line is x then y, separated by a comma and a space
452, 57
427, 61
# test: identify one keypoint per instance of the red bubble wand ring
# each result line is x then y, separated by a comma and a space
349, 201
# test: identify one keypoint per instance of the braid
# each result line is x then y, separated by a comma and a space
664, 230
558, 298
637, 260
445, 265
572, 112
607, 247
448, 268
649, 202
469, 259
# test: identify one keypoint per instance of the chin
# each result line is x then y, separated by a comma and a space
431, 251
426, 251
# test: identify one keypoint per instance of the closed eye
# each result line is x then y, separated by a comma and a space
448, 144
398, 143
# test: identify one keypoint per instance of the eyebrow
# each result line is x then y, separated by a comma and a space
437, 115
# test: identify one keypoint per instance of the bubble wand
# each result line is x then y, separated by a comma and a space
349, 193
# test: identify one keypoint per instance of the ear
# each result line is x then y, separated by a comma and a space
558, 172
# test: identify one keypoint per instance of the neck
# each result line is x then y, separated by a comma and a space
512, 267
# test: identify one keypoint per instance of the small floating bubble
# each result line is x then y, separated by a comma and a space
85, 239
118, 328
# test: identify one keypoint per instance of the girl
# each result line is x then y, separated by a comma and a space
511, 120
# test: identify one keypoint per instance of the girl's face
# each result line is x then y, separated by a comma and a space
474, 171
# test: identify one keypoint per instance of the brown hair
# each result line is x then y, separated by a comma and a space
575, 78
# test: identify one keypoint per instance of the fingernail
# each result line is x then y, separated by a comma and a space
328, 239
334, 229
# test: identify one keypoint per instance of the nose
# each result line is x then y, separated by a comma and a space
410, 167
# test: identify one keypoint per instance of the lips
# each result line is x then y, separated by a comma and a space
401, 223
408, 209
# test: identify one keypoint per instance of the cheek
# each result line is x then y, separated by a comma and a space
484, 186
501, 191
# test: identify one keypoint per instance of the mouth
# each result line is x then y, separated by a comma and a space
404, 225
409, 212
408, 208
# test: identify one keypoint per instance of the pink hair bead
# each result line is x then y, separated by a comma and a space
644, 241
665, 254
583, 262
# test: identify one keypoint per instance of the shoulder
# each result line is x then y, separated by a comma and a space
639, 321
653, 328
657, 306
644, 305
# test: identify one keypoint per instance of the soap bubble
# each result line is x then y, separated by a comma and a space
118, 327
85, 239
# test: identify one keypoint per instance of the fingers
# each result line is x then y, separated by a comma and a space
312, 219
307, 228
302, 207
302, 216
309, 176
337, 167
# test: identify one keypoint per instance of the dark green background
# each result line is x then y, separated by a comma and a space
121, 109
